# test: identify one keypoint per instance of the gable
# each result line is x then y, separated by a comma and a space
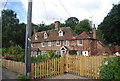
83, 35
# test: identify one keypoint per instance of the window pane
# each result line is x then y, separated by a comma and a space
57, 43
79, 42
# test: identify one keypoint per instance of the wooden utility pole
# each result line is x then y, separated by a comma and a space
28, 41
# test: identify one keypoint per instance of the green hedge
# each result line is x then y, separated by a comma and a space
111, 70
46, 56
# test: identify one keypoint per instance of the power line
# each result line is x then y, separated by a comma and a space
64, 7
5, 4
45, 10
38, 13
57, 8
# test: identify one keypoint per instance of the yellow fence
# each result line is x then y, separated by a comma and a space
80, 65
14, 66
84, 66
48, 68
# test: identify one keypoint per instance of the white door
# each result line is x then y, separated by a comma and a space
85, 53
63, 52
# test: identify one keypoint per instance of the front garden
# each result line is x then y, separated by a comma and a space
16, 53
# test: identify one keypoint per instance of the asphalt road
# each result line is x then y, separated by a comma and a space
7, 74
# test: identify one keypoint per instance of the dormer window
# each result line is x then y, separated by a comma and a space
60, 33
36, 37
45, 35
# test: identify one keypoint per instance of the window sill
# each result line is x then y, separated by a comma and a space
80, 44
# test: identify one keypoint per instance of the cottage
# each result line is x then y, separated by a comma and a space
63, 40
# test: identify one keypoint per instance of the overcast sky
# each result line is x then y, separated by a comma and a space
49, 11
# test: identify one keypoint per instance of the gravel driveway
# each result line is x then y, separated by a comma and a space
67, 76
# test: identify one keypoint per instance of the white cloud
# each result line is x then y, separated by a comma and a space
52, 10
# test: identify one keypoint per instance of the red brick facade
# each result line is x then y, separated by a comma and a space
83, 44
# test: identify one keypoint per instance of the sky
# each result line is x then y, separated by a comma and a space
48, 11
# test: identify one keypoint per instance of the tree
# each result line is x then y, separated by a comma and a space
110, 27
84, 25
9, 21
13, 33
72, 22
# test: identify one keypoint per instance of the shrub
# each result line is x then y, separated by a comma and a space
46, 56
10, 57
4, 50
16, 51
111, 70
73, 52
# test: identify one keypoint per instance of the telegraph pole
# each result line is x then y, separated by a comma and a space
28, 40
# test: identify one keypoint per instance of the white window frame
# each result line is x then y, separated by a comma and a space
43, 44
35, 53
60, 33
79, 52
66, 42
49, 43
45, 35
58, 42
58, 52
31, 45
32, 53
43, 52
78, 42
85, 53
36, 37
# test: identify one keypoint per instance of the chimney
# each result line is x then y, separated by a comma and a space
35, 30
57, 25
94, 32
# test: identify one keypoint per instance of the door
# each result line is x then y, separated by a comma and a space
63, 52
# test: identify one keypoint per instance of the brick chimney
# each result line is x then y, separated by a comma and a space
94, 31
35, 30
57, 25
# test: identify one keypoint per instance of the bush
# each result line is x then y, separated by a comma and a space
111, 70
73, 52
15, 51
4, 51
46, 56
10, 57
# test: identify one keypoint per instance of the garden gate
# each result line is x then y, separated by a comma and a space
84, 66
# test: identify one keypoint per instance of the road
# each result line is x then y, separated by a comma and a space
7, 74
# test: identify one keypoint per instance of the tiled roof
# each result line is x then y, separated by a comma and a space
115, 48
83, 35
35, 49
68, 34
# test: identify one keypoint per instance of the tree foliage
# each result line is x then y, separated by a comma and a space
84, 25
111, 70
46, 56
72, 22
110, 27
13, 33
14, 53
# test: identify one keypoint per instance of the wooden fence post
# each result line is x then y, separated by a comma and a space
66, 62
